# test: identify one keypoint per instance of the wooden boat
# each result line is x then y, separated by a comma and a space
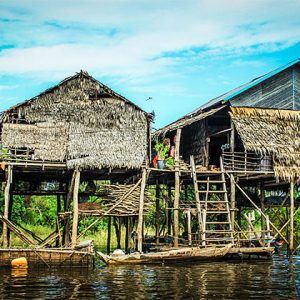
171, 256
82, 255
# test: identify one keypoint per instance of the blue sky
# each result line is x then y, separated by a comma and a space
179, 53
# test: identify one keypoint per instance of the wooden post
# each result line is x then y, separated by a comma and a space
157, 211
169, 213
232, 200
118, 228
75, 208
262, 206
58, 210
127, 231
177, 188
268, 231
67, 200
291, 246
141, 211
108, 235
232, 142
189, 226
6, 205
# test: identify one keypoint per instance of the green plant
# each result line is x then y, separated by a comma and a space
170, 162
162, 150
4, 153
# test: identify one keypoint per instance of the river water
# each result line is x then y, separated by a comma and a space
272, 279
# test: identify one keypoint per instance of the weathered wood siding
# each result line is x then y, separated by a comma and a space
193, 142
275, 92
296, 87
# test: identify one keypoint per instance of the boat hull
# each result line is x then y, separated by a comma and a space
171, 256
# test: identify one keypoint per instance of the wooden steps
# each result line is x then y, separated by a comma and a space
214, 224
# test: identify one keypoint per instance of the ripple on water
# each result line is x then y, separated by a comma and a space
223, 280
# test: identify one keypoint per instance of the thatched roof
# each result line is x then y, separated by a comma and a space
271, 131
80, 121
103, 91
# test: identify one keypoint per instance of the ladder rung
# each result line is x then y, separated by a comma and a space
218, 239
218, 231
215, 201
217, 212
218, 222
210, 181
212, 192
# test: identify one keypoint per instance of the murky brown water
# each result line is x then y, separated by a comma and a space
274, 279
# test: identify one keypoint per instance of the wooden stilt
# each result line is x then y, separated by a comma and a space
75, 208
157, 223
6, 205
189, 226
67, 200
117, 225
262, 207
11, 200
127, 233
169, 213
232, 200
58, 210
141, 211
108, 235
291, 244
177, 188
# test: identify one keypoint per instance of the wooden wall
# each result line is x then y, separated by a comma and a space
193, 142
275, 92
297, 87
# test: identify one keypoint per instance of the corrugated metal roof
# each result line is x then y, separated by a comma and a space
229, 95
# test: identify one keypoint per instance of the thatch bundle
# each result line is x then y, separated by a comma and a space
130, 205
274, 132
81, 121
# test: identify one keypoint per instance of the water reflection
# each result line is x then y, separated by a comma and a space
223, 280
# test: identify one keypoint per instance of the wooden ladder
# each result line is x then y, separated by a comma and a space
212, 207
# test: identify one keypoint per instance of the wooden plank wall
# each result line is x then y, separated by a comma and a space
297, 87
275, 92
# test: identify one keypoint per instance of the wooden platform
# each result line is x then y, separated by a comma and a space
48, 257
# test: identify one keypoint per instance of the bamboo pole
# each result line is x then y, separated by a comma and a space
75, 208
177, 188
108, 235
168, 212
243, 192
291, 244
127, 225
232, 200
262, 205
111, 208
189, 226
6, 206
141, 211
157, 194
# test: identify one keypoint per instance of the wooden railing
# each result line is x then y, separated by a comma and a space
246, 161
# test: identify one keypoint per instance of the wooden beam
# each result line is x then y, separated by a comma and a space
75, 208
141, 211
177, 188
6, 206
244, 193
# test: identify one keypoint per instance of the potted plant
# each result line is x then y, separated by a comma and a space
162, 149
